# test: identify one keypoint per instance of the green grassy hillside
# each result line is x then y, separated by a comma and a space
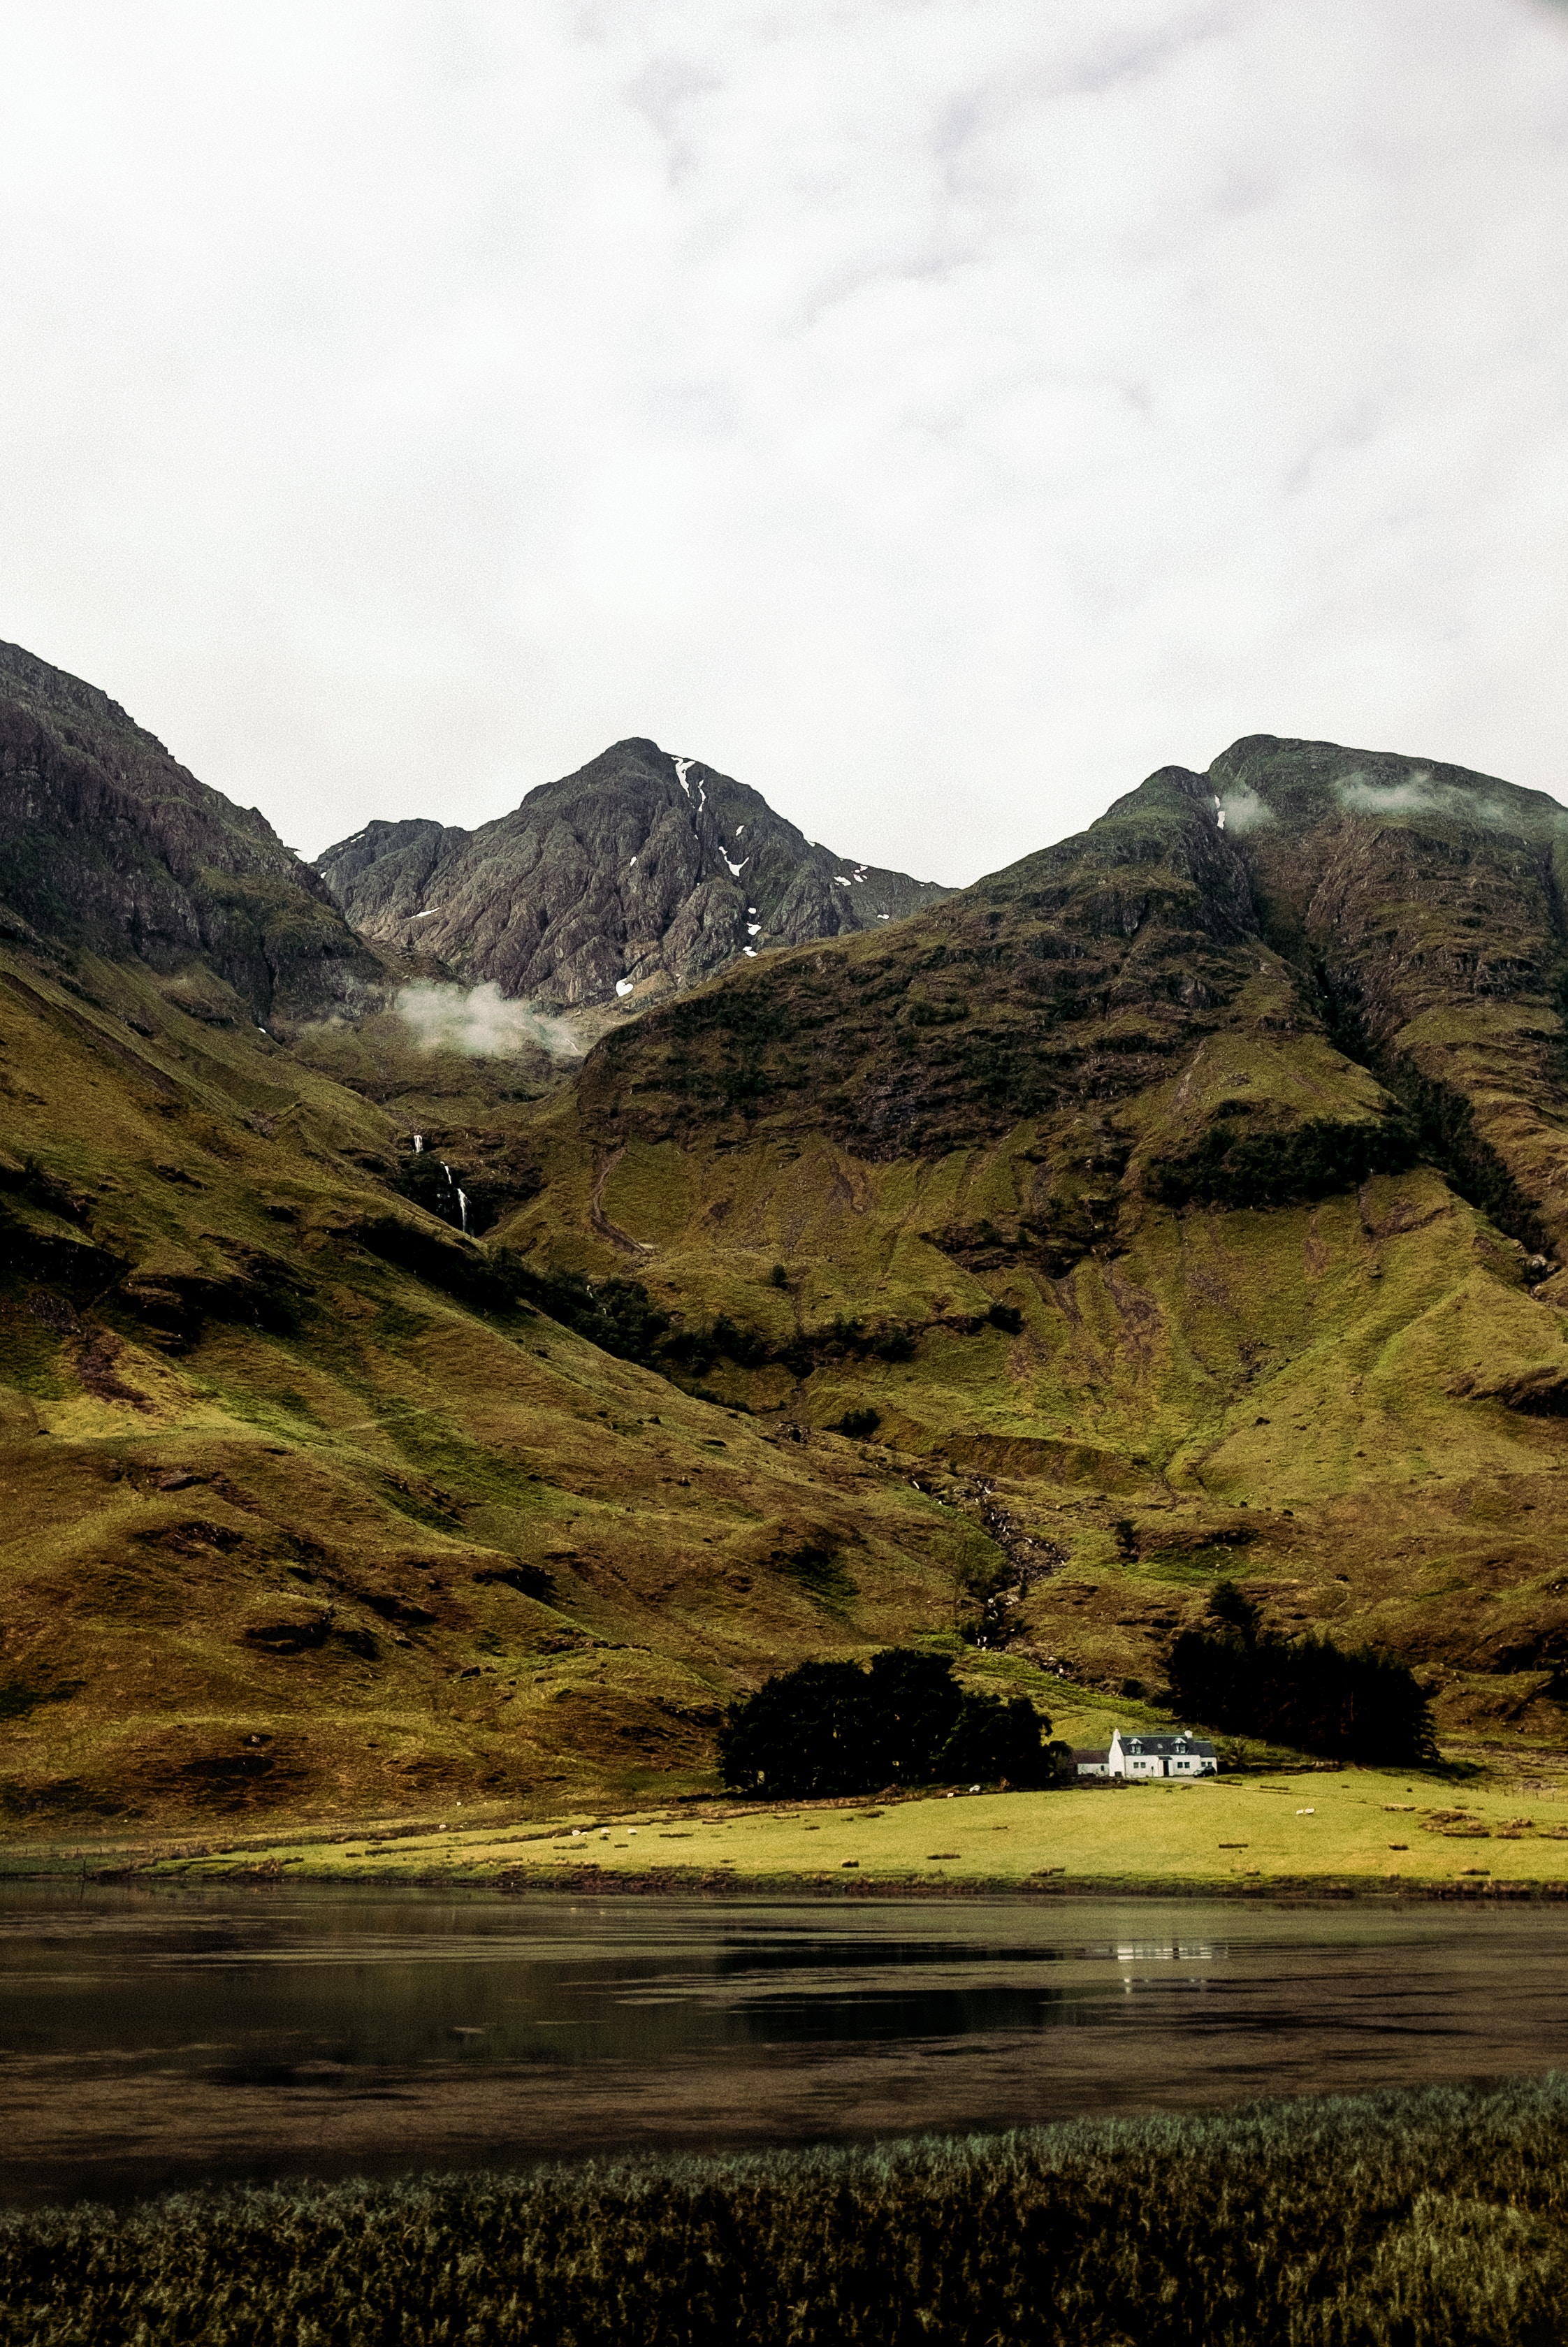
1180, 1202
305, 1509
1206, 1218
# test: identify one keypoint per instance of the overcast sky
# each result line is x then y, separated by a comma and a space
937, 413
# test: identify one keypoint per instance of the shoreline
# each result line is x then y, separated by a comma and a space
598, 1882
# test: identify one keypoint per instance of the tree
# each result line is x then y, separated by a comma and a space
915, 1703
992, 1740
827, 1728
1347, 1703
805, 1734
1233, 1607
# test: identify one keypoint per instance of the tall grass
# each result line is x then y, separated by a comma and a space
1430, 2219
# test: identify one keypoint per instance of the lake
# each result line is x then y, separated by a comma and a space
152, 2037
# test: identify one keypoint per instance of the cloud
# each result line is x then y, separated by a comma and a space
481, 1022
1418, 795
937, 415
1421, 793
1242, 811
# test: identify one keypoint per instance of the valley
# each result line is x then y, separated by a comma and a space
1182, 1202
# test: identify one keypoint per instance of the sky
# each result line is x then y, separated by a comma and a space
937, 413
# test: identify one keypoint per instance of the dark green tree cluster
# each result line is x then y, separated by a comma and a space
827, 1728
620, 1315
1447, 1137
1305, 1692
1232, 1167
617, 1314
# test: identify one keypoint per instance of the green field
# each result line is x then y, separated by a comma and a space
1372, 1828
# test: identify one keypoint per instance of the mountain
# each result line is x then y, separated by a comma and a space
1183, 1201
309, 1505
639, 873
108, 845
1187, 1198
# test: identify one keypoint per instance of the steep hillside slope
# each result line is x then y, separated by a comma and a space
107, 845
1199, 1179
638, 873
1422, 909
1185, 1200
307, 1506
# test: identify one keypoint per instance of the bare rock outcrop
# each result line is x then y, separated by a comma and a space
640, 870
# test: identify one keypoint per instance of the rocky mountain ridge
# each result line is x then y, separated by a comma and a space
639, 873
107, 845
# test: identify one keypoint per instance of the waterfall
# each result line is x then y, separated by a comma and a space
454, 1192
418, 1142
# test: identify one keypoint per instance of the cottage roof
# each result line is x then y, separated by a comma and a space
1161, 1746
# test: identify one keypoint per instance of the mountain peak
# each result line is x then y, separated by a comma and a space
642, 872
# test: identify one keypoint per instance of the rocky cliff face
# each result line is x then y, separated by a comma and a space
1405, 917
639, 873
1421, 907
108, 845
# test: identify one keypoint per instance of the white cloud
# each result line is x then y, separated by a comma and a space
1419, 794
1244, 811
479, 1020
938, 414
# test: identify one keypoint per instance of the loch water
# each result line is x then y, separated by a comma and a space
159, 2037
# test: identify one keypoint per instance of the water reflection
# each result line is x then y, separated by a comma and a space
158, 2036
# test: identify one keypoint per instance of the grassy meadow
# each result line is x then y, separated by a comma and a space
1437, 2218
1372, 1830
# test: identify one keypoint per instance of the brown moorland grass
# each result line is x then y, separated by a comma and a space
1435, 2218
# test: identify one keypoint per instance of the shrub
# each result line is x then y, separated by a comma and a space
617, 1314
894, 1345
745, 1346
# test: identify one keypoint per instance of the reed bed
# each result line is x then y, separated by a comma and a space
1437, 2218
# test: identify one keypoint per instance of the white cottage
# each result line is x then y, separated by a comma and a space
1160, 1756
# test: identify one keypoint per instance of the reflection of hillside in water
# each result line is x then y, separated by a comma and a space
155, 2038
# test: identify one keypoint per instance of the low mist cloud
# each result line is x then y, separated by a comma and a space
1244, 811
1418, 795
481, 1020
